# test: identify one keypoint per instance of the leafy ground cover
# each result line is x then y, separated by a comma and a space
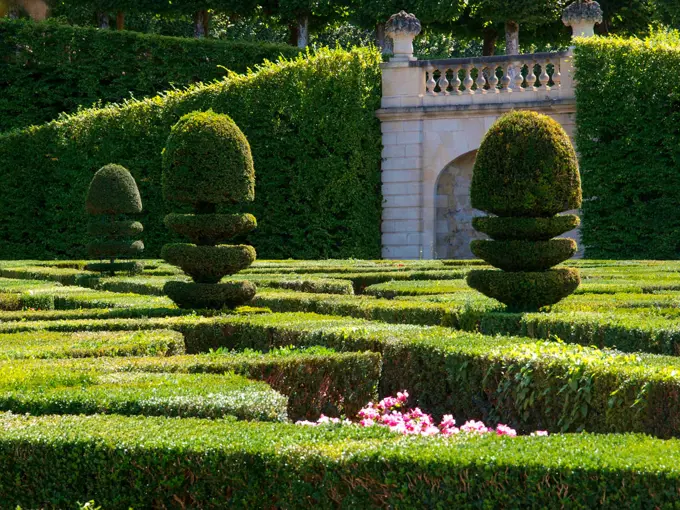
105, 371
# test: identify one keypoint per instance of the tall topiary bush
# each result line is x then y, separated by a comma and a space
111, 197
525, 173
206, 163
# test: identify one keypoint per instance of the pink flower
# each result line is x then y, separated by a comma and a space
476, 427
504, 430
306, 423
540, 433
402, 396
366, 422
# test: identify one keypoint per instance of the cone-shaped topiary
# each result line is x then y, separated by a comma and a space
526, 172
207, 162
113, 195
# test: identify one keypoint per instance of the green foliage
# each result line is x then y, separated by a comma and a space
112, 191
528, 229
315, 380
521, 11
525, 170
112, 249
525, 290
130, 268
208, 264
82, 387
318, 179
182, 462
210, 229
527, 167
207, 159
210, 295
51, 68
627, 142
52, 345
113, 194
524, 255
125, 228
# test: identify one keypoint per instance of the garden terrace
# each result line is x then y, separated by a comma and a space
100, 356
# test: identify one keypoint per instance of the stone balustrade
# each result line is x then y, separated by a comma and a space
533, 77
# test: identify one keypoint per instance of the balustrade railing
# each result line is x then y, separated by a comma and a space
512, 78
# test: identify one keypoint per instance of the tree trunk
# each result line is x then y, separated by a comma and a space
303, 32
489, 44
292, 33
201, 24
120, 20
511, 38
103, 20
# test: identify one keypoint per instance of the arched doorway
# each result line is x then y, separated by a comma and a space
454, 212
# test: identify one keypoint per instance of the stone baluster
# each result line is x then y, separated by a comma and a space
581, 16
493, 79
506, 80
544, 78
557, 75
444, 83
518, 79
430, 84
481, 80
531, 77
468, 82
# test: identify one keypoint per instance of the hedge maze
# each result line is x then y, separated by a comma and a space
110, 392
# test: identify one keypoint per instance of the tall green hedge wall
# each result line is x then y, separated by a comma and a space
628, 138
47, 68
316, 147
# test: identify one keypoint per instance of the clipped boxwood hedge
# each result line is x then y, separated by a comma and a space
81, 387
49, 68
140, 462
318, 179
627, 139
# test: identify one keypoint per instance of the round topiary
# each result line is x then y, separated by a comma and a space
525, 291
529, 229
525, 172
113, 190
208, 295
207, 160
526, 166
112, 195
524, 255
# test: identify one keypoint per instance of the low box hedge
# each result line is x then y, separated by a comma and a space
50, 344
527, 383
315, 380
142, 462
84, 387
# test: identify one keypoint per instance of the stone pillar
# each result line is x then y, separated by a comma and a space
581, 16
403, 86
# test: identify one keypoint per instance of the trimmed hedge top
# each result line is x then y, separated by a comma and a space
207, 159
113, 190
526, 166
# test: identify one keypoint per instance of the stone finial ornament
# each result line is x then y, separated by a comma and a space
581, 16
403, 28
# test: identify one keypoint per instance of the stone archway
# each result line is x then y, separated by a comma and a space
454, 212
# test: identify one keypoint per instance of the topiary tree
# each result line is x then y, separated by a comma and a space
525, 173
113, 195
207, 162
